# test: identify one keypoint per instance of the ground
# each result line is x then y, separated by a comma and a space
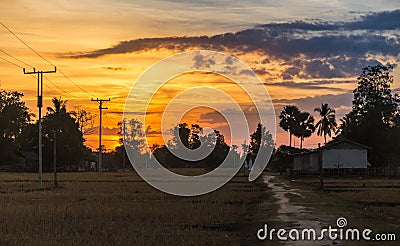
371, 203
119, 208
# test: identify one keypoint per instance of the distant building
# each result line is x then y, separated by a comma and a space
31, 161
339, 154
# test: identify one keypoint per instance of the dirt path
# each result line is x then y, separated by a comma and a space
296, 212
290, 204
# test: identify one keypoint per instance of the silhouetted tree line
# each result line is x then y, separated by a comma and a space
373, 121
19, 139
191, 139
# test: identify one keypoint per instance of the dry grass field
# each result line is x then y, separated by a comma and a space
119, 209
375, 198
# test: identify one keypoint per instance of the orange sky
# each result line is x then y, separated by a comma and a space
55, 28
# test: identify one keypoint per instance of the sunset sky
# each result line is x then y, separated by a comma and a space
305, 52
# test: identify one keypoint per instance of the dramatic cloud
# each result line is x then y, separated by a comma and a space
105, 131
151, 132
340, 101
332, 67
376, 33
306, 50
203, 62
314, 85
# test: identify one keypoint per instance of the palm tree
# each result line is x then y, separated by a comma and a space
288, 121
347, 123
60, 106
304, 126
327, 124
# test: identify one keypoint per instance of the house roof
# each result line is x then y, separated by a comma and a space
29, 155
332, 143
341, 140
306, 151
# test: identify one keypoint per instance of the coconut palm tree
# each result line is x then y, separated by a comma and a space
60, 106
304, 126
288, 121
327, 124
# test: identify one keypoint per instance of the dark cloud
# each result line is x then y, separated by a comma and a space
388, 20
229, 60
246, 72
261, 71
343, 100
314, 85
284, 40
151, 132
105, 130
307, 50
115, 68
214, 117
332, 67
203, 62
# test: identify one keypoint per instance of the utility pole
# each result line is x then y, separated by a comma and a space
39, 105
55, 158
123, 143
100, 101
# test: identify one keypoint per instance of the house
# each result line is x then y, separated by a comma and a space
31, 160
339, 154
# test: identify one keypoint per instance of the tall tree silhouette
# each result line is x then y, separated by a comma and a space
14, 117
288, 121
373, 120
327, 124
374, 96
70, 148
261, 138
304, 126
60, 106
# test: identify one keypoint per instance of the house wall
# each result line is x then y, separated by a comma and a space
314, 161
306, 162
346, 158
298, 162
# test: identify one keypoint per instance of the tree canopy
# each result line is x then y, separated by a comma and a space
297, 123
327, 123
14, 117
374, 118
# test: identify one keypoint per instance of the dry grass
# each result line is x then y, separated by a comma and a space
376, 197
118, 208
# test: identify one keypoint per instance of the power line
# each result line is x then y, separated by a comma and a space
37, 53
15, 58
12, 63
48, 87
22, 41
90, 94
61, 89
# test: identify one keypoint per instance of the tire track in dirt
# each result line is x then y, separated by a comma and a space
297, 215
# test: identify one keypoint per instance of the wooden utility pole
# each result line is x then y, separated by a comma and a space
55, 159
40, 105
100, 101
321, 168
123, 143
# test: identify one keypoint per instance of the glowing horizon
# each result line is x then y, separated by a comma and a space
133, 36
